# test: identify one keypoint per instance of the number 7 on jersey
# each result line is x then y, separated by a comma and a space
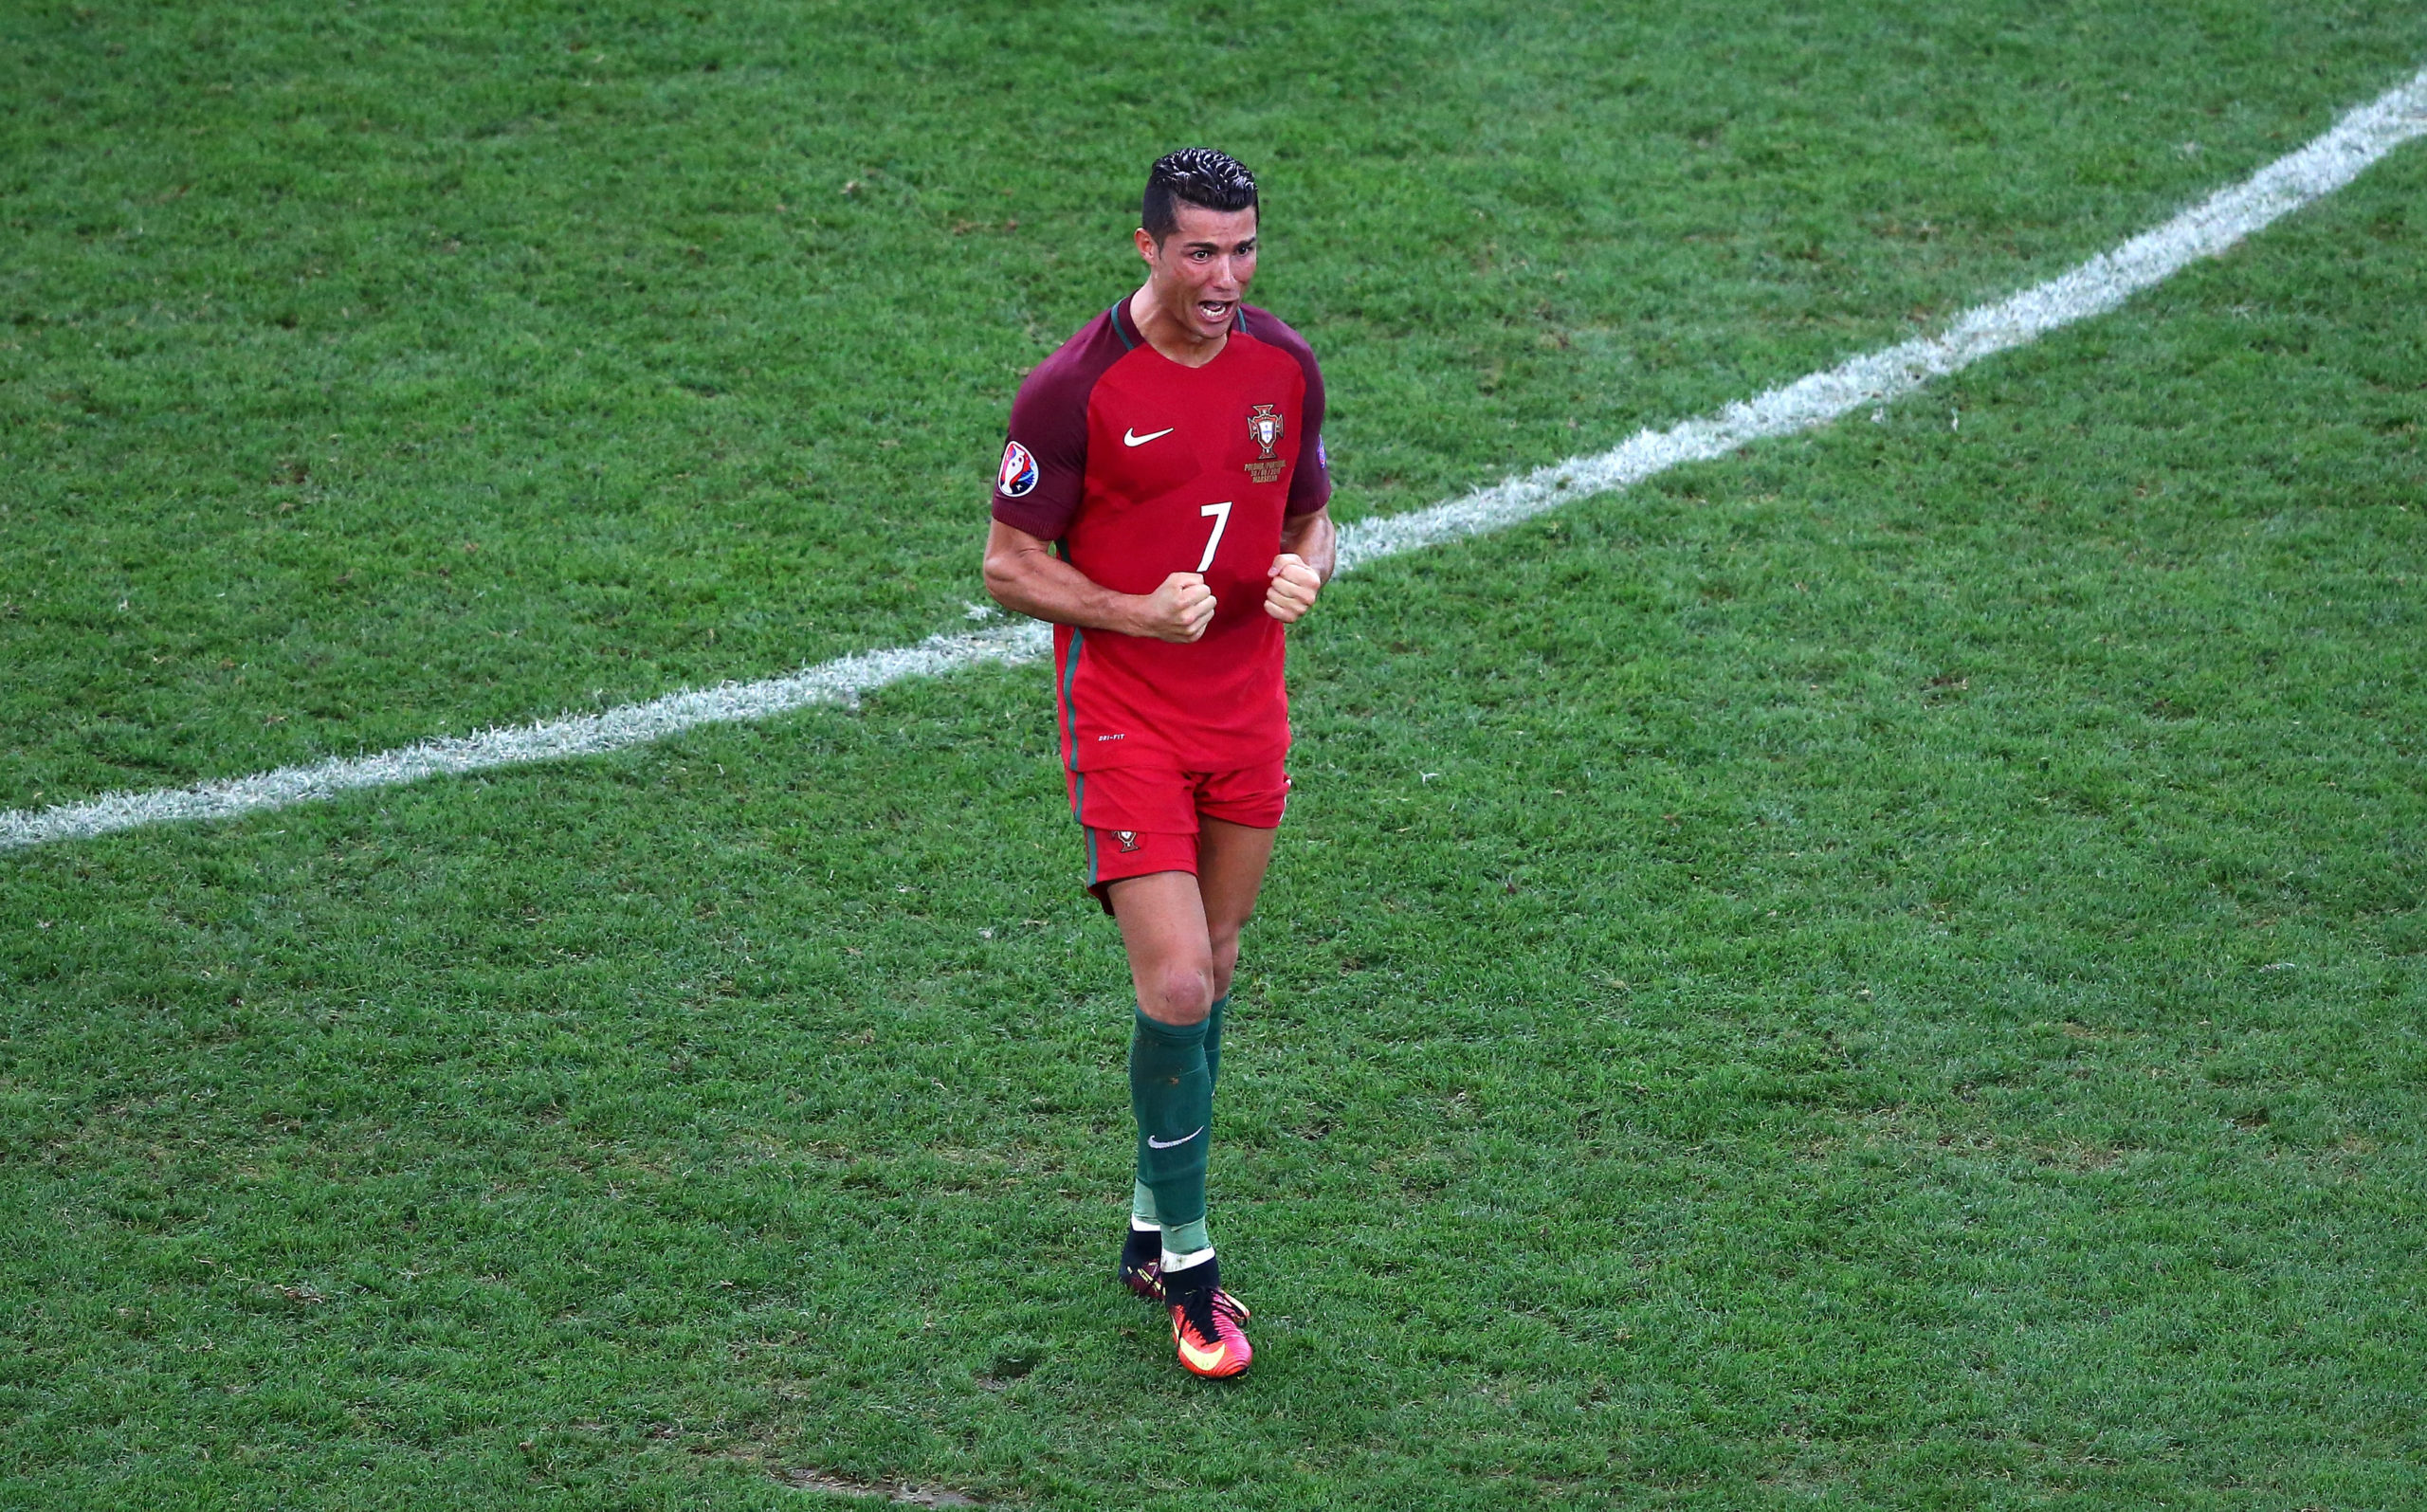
1222, 517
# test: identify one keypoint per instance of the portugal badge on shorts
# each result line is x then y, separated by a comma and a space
1018, 473
1263, 428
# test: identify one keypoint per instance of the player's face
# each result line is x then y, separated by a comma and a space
1200, 272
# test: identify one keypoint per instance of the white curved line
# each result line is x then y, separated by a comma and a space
2094, 287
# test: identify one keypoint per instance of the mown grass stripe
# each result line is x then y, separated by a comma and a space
2324, 165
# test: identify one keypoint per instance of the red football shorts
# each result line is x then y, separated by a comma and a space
1145, 819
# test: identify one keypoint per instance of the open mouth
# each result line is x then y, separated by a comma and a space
1215, 310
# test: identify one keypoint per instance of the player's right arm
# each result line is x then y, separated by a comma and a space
1025, 576
1037, 494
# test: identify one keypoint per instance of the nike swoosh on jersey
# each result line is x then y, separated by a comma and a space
1154, 1143
1131, 438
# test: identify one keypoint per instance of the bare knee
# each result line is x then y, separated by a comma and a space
1180, 992
1225, 961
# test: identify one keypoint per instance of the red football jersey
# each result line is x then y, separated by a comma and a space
1138, 467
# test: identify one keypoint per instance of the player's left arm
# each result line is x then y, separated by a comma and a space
1308, 544
1309, 549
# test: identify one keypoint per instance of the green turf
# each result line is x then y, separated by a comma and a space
1885, 971
378, 370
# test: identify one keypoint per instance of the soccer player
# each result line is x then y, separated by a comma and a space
1163, 502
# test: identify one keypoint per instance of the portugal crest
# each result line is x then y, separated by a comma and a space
1263, 428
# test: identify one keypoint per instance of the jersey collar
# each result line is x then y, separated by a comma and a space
1124, 325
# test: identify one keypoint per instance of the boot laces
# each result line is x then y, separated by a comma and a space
1203, 1308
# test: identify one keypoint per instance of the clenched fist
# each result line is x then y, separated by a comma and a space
1292, 589
1179, 611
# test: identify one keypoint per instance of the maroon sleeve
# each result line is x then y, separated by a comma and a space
1310, 483
1045, 459
1310, 489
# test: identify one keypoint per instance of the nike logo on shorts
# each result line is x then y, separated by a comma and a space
1152, 1143
1131, 438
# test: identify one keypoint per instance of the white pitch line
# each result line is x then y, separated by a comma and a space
2094, 287
841, 680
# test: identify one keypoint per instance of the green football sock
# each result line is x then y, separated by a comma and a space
1189, 1238
1142, 1196
1172, 1094
1213, 1040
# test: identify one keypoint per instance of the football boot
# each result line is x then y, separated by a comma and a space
1205, 1322
1141, 1263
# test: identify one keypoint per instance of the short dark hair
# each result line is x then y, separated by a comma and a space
1194, 176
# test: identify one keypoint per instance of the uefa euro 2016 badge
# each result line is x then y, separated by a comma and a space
1018, 474
1263, 428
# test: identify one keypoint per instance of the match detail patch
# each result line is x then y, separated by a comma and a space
1018, 473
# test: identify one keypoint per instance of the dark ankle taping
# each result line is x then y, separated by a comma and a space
1204, 1277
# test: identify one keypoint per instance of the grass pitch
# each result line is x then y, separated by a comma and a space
1887, 971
